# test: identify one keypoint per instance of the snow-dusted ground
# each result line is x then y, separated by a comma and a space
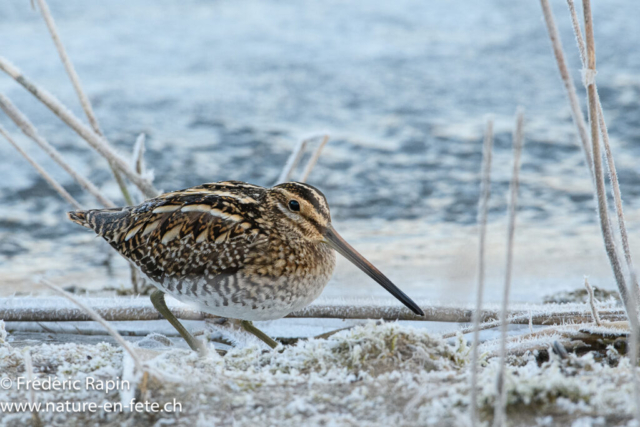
372, 375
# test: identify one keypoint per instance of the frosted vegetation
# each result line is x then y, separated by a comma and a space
375, 374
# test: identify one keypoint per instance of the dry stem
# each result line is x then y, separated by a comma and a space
605, 224
518, 140
611, 166
483, 204
630, 301
592, 302
577, 32
28, 368
77, 86
99, 143
29, 129
130, 309
52, 182
96, 317
292, 161
567, 80
314, 159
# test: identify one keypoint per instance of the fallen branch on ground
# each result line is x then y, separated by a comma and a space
52, 309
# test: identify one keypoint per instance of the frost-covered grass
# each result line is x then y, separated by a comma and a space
375, 374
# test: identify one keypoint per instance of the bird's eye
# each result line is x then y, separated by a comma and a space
294, 205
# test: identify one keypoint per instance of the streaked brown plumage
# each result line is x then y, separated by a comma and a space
234, 249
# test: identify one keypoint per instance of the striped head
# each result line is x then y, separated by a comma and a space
305, 208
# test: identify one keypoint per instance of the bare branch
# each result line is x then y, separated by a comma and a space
314, 159
138, 154
483, 205
68, 66
77, 86
52, 182
592, 302
613, 174
28, 368
29, 129
577, 32
596, 118
605, 225
567, 80
18, 309
99, 143
517, 319
96, 317
518, 140
292, 161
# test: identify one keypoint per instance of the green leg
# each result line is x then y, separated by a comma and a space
157, 299
248, 326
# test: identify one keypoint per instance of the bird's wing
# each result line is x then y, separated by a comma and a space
202, 231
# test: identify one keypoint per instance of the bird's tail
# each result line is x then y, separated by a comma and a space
79, 217
104, 222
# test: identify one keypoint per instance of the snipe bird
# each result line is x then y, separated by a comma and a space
233, 249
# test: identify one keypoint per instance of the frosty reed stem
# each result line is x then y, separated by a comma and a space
611, 166
567, 80
483, 204
518, 140
595, 111
575, 23
28, 368
30, 130
601, 197
77, 86
97, 318
16, 309
52, 182
138, 154
518, 319
292, 161
314, 159
97, 142
592, 302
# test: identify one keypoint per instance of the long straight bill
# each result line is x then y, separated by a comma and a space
334, 240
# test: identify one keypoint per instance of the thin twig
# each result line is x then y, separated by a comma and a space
292, 161
483, 205
630, 301
77, 86
138, 154
52, 182
518, 140
592, 302
605, 225
633, 357
512, 319
613, 174
29, 129
577, 32
28, 368
96, 317
617, 198
567, 80
314, 158
68, 66
99, 143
